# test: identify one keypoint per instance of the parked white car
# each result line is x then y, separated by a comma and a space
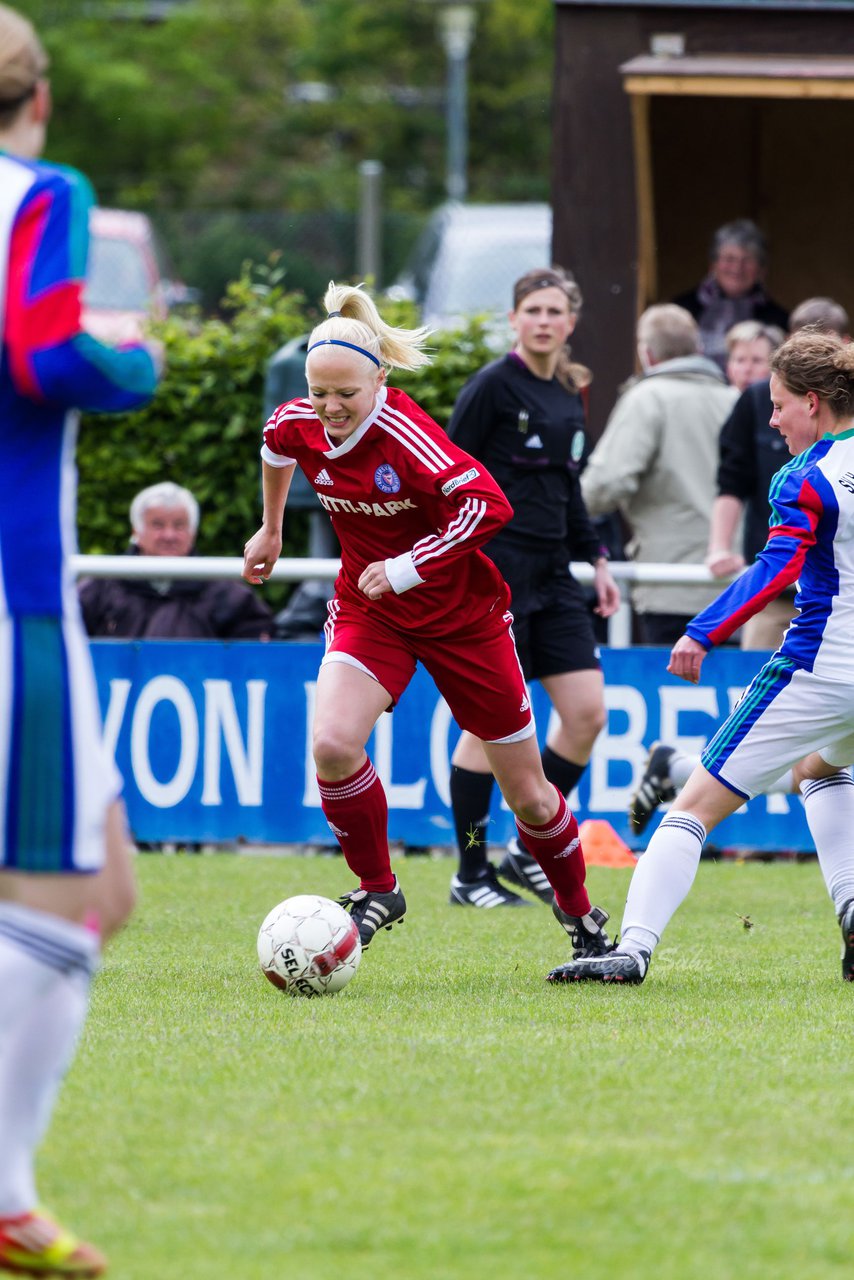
468, 258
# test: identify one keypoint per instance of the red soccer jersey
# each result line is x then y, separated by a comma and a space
399, 490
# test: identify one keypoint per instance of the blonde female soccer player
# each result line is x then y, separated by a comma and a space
411, 510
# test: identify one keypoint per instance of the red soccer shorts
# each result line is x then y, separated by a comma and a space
476, 669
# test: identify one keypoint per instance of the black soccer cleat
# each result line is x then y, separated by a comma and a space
846, 924
627, 967
587, 933
521, 869
654, 788
372, 911
485, 892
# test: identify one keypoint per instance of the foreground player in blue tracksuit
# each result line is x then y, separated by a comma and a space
65, 872
799, 710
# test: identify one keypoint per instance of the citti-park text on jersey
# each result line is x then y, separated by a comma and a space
366, 508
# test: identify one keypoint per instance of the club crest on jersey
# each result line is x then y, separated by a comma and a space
386, 478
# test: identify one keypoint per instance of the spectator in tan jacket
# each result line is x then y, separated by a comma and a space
656, 463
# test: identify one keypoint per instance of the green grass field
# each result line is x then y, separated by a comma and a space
450, 1115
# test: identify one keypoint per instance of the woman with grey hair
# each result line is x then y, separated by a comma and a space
733, 290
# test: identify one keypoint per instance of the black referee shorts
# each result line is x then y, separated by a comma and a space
552, 622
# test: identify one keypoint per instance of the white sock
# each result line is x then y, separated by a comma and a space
45, 970
32, 1068
680, 767
661, 880
829, 807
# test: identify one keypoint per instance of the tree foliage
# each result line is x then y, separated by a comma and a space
251, 104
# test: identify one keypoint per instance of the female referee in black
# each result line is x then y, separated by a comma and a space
523, 417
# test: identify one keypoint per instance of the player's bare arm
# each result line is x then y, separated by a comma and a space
264, 548
686, 659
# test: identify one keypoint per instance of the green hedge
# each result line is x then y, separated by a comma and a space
203, 428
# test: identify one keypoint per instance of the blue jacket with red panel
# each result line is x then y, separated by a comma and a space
811, 542
48, 369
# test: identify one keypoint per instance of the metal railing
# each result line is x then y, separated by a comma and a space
300, 568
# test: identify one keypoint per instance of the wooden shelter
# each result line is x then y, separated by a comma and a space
672, 117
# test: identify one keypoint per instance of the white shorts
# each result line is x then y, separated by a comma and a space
56, 778
784, 714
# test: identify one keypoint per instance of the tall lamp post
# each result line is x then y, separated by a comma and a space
456, 24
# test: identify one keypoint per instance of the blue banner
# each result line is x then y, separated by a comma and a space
214, 742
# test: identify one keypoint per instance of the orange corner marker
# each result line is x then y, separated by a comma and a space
602, 846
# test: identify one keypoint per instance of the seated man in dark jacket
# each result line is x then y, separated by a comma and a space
164, 521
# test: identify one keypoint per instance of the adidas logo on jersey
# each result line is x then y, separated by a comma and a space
323, 477
533, 442
524, 704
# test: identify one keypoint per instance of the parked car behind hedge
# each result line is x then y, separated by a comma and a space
127, 283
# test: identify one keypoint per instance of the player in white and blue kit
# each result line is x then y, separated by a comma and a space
65, 873
798, 713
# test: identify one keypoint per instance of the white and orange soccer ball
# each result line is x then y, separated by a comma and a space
309, 946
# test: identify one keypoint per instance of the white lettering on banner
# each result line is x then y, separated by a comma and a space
119, 693
676, 699
440, 755
246, 760
310, 794
612, 746
400, 795
221, 723
163, 795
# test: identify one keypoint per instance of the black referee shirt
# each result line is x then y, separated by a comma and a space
530, 434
